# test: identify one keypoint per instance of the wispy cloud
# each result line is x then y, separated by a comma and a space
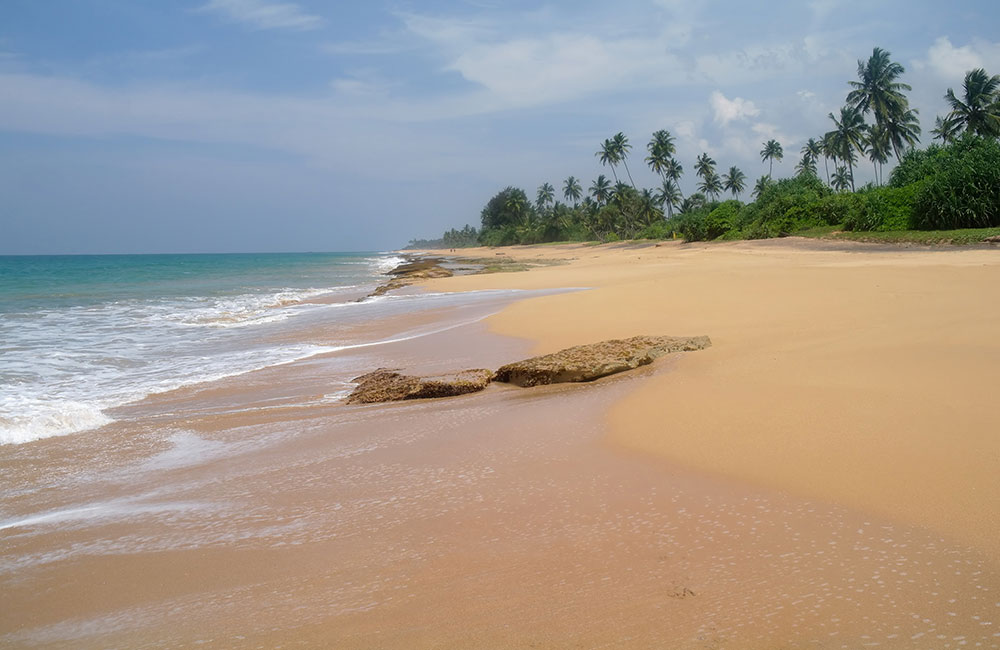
265, 15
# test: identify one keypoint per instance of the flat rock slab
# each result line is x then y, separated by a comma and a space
386, 385
589, 362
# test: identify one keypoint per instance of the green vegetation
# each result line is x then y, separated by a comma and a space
941, 189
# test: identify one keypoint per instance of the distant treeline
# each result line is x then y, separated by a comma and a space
952, 185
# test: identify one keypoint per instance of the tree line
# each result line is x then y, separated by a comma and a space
876, 122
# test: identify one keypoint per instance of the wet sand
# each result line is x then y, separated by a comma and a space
260, 511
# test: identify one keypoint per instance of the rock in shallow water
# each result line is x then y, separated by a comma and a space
386, 385
589, 362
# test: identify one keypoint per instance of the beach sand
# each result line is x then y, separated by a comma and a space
824, 476
853, 374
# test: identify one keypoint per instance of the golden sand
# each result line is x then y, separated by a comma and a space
856, 375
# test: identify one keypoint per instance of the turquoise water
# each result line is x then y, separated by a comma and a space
82, 334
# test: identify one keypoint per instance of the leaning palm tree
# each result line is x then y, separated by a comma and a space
848, 137
945, 129
669, 197
600, 189
546, 194
608, 156
704, 166
572, 190
772, 151
734, 181
842, 179
978, 111
621, 149
877, 90
711, 185
672, 172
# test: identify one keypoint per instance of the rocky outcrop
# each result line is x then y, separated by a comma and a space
385, 385
589, 362
412, 270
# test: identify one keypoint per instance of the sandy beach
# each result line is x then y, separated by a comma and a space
824, 476
851, 374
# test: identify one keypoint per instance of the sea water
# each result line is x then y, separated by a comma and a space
85, 333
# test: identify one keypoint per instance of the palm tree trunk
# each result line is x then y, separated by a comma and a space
850, 170
826, 163
770, 167
629, 173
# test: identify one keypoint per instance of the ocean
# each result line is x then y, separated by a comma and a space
81, 335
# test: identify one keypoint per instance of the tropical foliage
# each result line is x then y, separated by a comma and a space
954, 184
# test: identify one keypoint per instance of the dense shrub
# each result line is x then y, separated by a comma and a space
722, 219
658, 230
786, 206
964, 190
838, 209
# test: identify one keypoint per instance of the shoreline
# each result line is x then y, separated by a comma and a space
824, 375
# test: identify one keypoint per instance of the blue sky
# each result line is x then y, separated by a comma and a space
258, 125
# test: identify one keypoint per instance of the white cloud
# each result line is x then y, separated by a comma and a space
727, 110
950, 62
265, 15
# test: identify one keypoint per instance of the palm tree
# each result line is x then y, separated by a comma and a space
693, 202
572, 190
669, 196
978, 111
621, 148
829, 151
945, 129
806, 165
842, 179
546, 194
608, 156
761, 185
704, 166
848, 137
712, 185
600, 189
672, 171
878, 149
902, 130
877, 90
812, 150
660, 148
734, 181
772, 151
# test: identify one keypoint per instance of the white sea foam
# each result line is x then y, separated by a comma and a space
385, 264
24, 419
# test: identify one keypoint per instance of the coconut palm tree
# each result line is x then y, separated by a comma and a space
734, 181
621, 148
761, 185
660, 148
878, 142
812, 150
600, 189
848, 137
877, 90
704, 166
978, 111
842, 179
945, 129
806, 165
829, 151
672, 172
772, 151
546, 194
669, 197
693, 202
902, 130
711, 185
572, 190
608, 156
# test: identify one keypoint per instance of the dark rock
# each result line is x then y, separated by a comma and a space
385, 385
589, 362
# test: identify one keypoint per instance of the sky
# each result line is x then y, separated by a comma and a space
141, 126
